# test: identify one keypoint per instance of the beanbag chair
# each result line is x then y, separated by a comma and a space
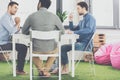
115, 56
102, 56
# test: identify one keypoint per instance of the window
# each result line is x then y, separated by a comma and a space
106, 13
103, 12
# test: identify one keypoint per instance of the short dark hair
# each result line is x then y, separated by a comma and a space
45, 3
11, 3
83, 5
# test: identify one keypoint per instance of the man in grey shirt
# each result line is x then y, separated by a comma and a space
43, 20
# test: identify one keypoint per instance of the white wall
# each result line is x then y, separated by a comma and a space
53, 6
103, 12
3, 6
70, 7
26, 7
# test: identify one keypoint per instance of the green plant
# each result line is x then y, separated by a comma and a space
62, 15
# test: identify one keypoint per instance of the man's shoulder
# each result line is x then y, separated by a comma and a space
4, 17
33, 13
90, 16
41, 12
47, 13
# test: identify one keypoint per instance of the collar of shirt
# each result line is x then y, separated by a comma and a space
9, 15
11, 19
42, 8
85, 14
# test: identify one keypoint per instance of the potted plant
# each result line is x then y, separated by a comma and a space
62, 15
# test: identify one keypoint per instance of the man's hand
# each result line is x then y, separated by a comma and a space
17, 22
69, 32
71, 17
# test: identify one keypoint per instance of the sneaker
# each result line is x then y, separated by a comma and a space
21, 73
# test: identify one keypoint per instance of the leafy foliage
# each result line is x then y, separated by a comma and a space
62, 15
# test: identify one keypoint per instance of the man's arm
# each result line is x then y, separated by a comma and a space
26, 26
9, 26
72, 27
88, 27
59, 25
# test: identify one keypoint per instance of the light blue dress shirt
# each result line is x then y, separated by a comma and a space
7, 28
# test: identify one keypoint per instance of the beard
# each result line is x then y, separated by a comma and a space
81, 14
13, 13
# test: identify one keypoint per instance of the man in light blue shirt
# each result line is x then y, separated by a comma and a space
7, 28
85, 29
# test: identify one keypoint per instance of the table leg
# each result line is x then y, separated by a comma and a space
14, 58
73, 65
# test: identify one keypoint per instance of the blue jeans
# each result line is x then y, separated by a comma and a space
68, 47
65, 48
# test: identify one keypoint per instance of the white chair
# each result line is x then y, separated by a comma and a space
78, 56
5, 52
70, 39
11, 66
45, 35
13, 51
16, 38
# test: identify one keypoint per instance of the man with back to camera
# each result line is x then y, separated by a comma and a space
7, 28
85, 29
43, 20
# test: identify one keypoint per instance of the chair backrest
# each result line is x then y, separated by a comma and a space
91, 38
45, 35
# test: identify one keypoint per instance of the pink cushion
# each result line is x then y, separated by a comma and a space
115, 56
102, 56
115, 60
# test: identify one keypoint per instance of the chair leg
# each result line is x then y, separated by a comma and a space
59, 62
92, 66
59, 69
69, 62
78, 61
14, 65
7, 60
31, 69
